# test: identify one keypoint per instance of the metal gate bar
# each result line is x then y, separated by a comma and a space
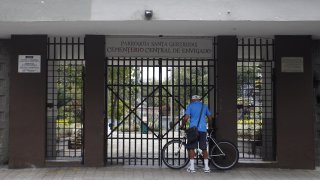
255, 98
145, 100
65, 99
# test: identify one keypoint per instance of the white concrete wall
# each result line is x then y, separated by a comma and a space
119, 10
44, 10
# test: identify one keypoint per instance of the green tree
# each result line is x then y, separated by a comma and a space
118, 93
70, 92
190, 81
248, 79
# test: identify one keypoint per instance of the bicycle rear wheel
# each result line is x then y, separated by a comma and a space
226, 157
175, 154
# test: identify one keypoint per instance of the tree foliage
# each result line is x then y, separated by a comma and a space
69, 87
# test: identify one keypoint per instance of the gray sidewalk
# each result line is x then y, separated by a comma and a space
149, 173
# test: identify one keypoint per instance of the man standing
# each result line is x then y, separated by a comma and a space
193, 112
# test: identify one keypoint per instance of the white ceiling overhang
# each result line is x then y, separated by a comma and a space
163, 27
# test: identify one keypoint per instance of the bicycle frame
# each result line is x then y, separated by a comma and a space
209, 138
180, 145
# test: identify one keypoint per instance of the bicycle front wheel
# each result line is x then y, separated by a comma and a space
175, 154
224, 156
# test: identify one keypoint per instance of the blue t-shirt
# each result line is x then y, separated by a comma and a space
193, 111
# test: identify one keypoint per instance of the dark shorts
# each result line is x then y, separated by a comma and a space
202, 142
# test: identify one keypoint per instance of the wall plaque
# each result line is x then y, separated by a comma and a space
29, 64
292, 64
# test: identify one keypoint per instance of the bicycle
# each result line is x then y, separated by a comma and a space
223, 154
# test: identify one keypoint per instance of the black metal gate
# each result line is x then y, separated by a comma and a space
255, 99
65, 84
145, 100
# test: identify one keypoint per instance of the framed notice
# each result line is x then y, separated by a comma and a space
292, 64
29, 64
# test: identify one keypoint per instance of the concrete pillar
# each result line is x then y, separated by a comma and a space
27, 104
227, 53
316, 76
294, 104
94, 100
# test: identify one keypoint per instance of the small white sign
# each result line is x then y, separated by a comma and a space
292, 64
29, 64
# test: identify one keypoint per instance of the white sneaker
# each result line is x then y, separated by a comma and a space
191, 170
206, 170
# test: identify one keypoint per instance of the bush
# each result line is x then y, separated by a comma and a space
249, 128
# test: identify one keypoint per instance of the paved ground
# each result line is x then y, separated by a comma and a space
139, 173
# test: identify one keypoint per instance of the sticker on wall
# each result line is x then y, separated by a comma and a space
29, 64
292, 64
